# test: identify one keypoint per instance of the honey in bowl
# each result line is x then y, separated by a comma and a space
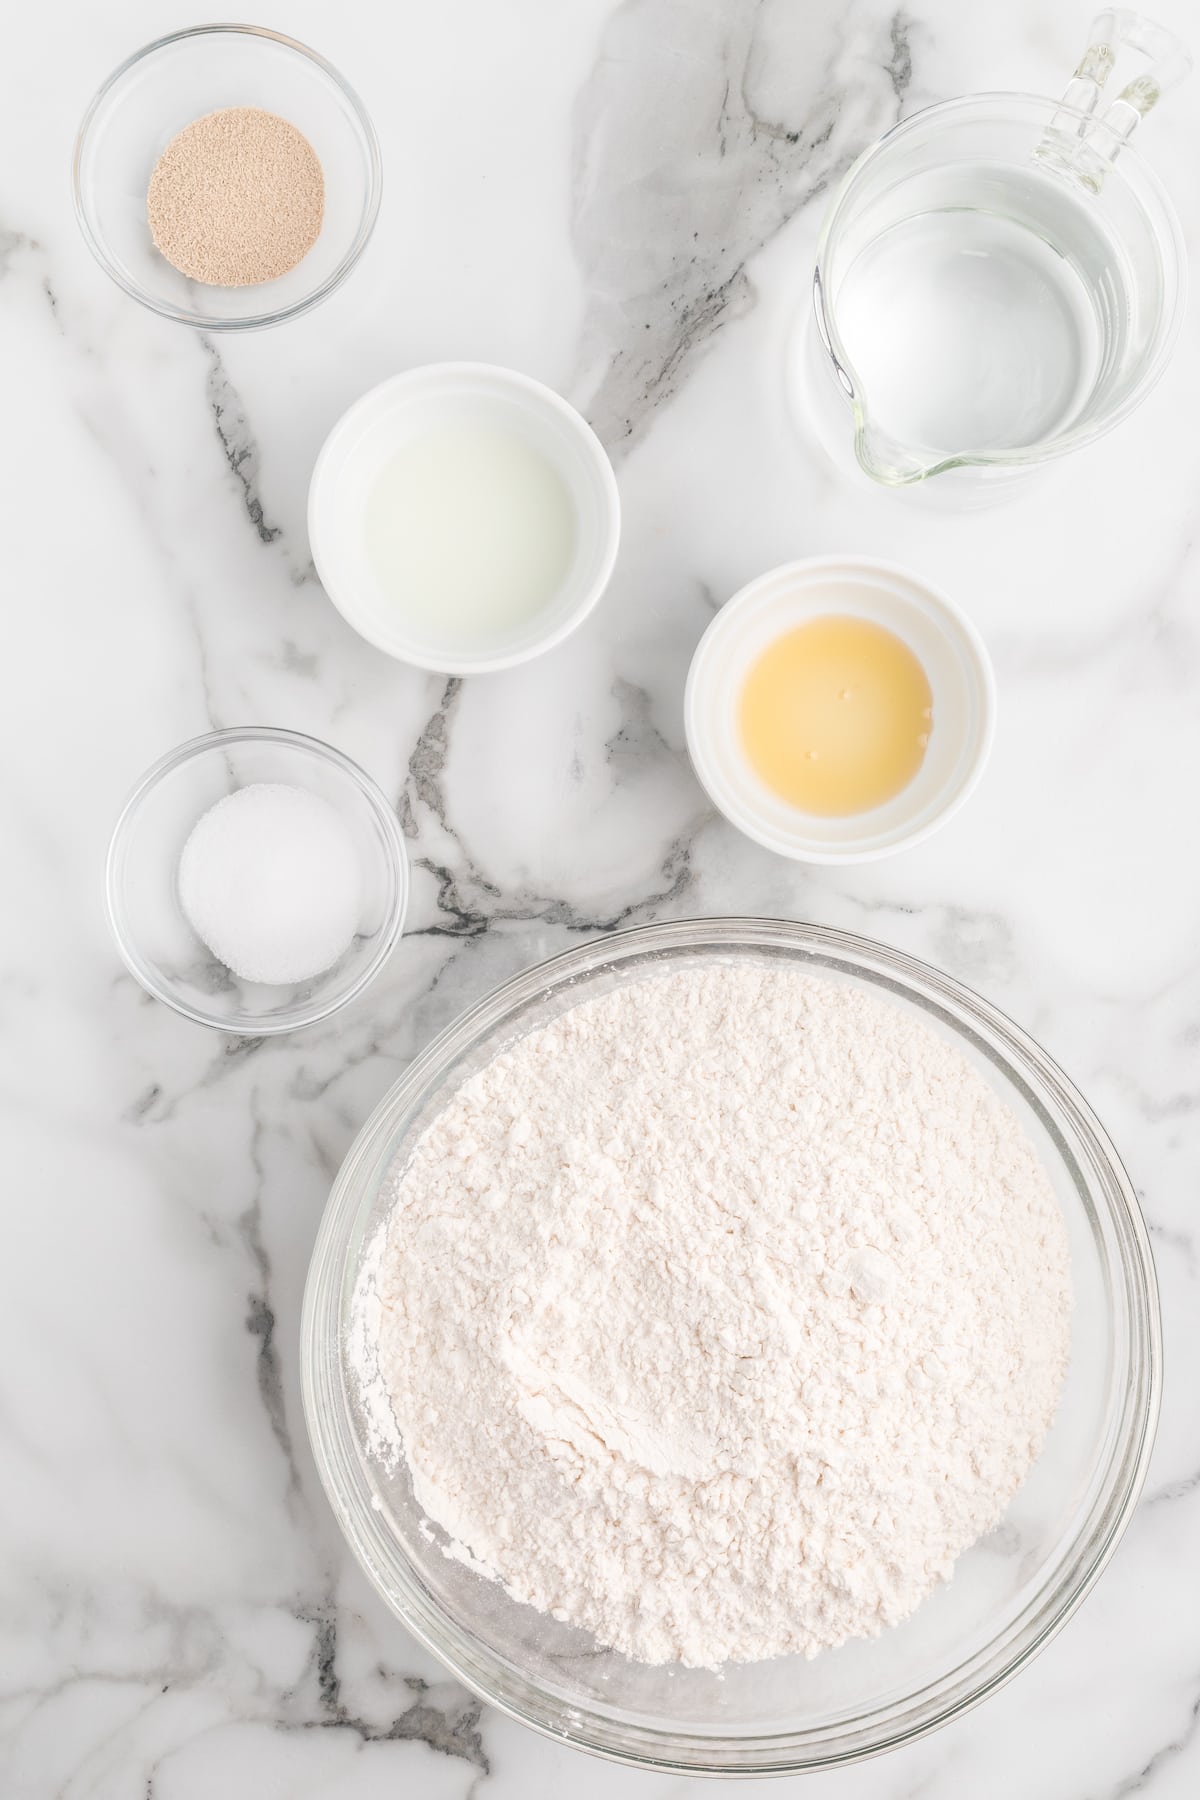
835, 716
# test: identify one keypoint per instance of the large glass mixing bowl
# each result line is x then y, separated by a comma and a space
1009, 1594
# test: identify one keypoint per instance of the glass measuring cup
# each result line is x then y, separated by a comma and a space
999, 279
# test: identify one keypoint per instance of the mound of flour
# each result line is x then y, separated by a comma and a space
718, 1315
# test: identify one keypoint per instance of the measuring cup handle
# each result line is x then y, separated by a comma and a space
1114, 30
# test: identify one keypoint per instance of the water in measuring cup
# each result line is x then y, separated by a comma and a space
982, 318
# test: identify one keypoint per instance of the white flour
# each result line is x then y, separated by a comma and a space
719, 1315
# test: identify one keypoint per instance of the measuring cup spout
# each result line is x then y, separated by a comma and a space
886, 459
1081, 141
879, 455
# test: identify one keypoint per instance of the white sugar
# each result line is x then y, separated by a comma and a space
271, 881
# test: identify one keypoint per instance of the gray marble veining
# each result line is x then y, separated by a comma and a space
623, 200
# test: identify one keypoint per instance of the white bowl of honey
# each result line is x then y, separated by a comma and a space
839, 709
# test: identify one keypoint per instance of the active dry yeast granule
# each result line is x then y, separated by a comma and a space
237, 197
718, 1315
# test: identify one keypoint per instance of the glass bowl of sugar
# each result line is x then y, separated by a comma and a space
256, 881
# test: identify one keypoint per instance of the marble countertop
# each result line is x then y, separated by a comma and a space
623, 201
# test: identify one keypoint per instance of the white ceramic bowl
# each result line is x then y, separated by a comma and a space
405, 408
944, 640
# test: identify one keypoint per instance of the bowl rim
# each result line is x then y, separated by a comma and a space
201, 321
697, 726
446, 375
299, 1017
668, 1748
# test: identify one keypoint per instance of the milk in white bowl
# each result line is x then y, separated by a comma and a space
463, 517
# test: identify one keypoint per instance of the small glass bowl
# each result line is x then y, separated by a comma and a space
1011, 1591
167, 85
153, 935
